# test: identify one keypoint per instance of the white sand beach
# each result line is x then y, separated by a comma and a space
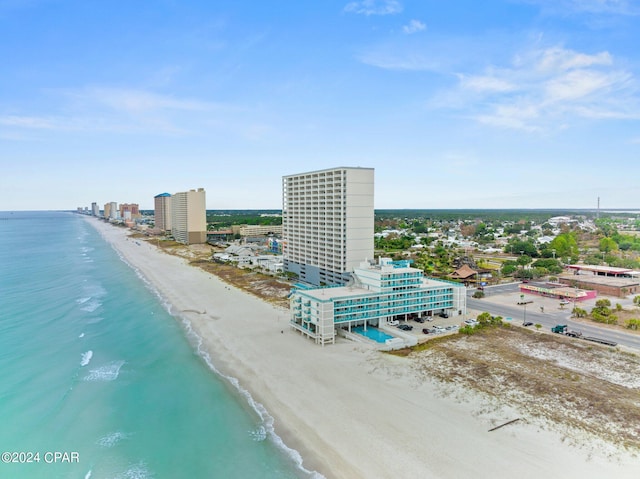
353, 412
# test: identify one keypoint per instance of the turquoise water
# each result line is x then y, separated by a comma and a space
372, 333
92, 365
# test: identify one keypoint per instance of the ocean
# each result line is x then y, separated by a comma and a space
98, 380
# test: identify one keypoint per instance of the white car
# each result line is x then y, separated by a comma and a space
471, 322
393, 323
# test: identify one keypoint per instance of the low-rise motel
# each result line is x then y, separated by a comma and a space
377, 294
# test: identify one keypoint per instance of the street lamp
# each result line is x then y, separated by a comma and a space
524, 303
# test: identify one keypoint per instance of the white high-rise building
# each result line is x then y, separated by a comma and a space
189, 217
327, 223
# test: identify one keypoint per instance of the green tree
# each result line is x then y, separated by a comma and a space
607, 245
565, 245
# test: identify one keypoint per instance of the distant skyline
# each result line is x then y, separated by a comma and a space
500, 104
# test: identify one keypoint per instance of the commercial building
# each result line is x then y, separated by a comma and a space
129, 211
260, 230
95, 209
327, 223
162, 211
189, 217
378, 293
608, 280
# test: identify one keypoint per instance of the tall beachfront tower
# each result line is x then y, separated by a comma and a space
189, 217
162, 211
327, 223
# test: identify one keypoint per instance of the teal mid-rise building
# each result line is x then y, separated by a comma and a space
376, 295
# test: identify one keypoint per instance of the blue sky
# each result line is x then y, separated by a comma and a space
456, 104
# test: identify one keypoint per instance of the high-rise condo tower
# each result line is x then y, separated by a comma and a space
327, 223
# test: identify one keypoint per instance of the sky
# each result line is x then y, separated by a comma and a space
456, 104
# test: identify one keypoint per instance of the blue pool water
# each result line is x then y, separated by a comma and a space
372, 333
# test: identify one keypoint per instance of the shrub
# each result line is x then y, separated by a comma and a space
606, 318
468, 330
579, 312
632, 323
478, 294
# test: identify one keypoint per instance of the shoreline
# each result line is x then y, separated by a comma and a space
348, 410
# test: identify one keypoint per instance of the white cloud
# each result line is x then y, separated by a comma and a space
30, 122
482, 83
556, 58
545, 88
414, 26
115, 110
374, 7
136, 101
578, 84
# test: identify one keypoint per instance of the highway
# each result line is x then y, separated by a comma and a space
502, 301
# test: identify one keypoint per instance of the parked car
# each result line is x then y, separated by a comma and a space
451, 327
443, 315
527, 323
393, 323
564, 301
426, 331
471, 322
419, 320
405, 327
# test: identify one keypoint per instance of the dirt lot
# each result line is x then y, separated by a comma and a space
593, 390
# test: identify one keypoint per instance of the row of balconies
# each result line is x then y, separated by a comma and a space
385, 312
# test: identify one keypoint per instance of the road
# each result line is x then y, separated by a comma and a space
502, 301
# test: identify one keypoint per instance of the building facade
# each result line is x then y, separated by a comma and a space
162, 211
260, 230
378, 294
129, 211
189, 217
327, 223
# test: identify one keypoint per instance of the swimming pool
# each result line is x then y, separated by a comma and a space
372, 333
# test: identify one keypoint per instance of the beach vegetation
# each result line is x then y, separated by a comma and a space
600, 402
579, 312
633, 324
602, 312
